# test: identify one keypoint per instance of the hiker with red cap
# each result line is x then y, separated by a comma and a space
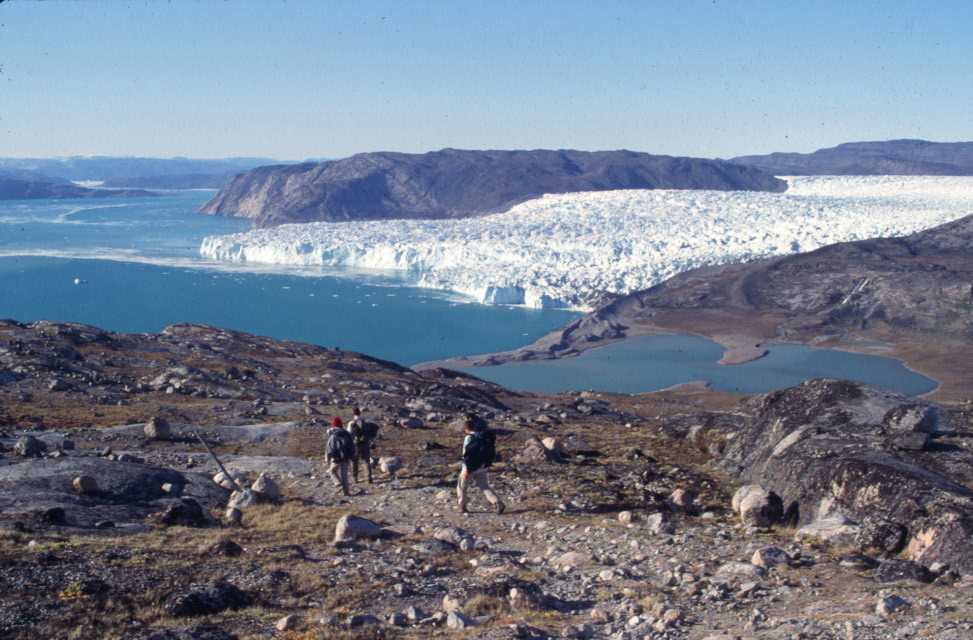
339, 451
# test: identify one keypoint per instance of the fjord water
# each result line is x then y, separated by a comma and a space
137, 267
651, 363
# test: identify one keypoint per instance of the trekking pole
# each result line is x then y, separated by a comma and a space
220, 464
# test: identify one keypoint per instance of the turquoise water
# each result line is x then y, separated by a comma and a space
656, 362
138, 269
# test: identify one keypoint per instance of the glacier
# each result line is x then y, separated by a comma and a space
570, 250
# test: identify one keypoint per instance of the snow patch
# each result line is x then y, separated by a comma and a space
568, 250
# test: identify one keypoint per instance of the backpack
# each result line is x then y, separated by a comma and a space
370, 429
364, 432
340, 446
481, 452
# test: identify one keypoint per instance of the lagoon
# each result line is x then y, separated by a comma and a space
651, 363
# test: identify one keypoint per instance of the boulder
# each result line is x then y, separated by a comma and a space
266, 488
770, 557
659, 523
758, 507
157, 429
84, 485
352, 527
29, 447
890, 604
534, 451
574, 560
241, 499
390, 465
226, 481
891, 571
209, 600
185, 512
684, 499
411, 423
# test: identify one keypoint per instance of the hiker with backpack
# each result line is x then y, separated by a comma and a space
479, 453
363, 434
339, 451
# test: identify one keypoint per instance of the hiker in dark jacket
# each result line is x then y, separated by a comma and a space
363, 433
479, 453
339, 451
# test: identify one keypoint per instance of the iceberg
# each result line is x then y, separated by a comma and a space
570, 250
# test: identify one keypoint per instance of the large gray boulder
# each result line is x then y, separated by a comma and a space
351, 527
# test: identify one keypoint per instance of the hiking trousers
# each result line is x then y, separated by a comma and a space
338, 470
362, 452
479, 477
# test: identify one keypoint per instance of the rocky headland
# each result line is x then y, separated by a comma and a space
454, 183
828, 510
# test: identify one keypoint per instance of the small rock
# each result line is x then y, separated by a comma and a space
456, 620
450, 603
890, 604
233, 516
288, 623
626, 517
684, 499
573, 559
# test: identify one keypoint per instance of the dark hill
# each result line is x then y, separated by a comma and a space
893, 157
455, 183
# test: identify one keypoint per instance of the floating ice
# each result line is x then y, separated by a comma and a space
568, 249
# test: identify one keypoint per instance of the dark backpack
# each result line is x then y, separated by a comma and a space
481, 452
370, 429
340, 446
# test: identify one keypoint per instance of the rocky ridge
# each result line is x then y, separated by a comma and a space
454, 183
892, 157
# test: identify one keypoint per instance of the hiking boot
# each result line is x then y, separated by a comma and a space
501, 507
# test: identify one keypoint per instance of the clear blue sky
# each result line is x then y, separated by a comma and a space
298, 79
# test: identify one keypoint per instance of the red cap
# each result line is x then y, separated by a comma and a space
336, 422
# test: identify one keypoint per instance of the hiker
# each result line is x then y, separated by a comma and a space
338, 452
479, 453
363, 434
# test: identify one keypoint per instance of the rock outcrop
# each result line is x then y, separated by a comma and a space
827, 447
454, 183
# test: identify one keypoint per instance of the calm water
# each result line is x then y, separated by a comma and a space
656, 362
138, 269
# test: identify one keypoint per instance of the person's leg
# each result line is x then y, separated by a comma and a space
367, 452
483, 482
344, 477
333, 472
354, 465
461, 488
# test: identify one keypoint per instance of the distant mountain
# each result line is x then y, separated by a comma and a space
113, 168
894, 157
180, 181
455, 183
25, 185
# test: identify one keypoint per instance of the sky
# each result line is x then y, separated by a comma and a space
295, 80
